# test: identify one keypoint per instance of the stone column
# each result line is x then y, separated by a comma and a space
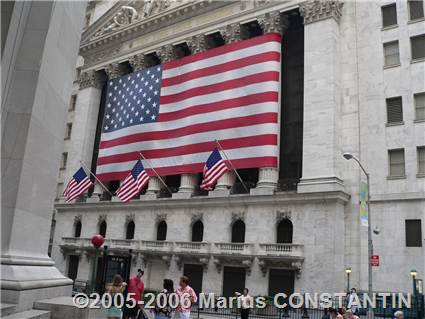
85, 122
231, 33
269, 176
321, 144
137, 62
36, 88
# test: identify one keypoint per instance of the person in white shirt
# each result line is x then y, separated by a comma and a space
245, 303
353, 300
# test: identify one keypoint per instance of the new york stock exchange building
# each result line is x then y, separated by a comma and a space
348, 77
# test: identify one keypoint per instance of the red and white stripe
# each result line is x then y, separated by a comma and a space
74, 189
213, 174
131, 187
229, 93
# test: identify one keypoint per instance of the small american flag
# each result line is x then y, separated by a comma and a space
173, 112
214, 168
78, 184
133, 183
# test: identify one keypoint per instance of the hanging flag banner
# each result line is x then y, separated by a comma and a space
363, 204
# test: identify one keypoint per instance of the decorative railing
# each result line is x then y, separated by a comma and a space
190, 246
280, 249
156, 244
240, 248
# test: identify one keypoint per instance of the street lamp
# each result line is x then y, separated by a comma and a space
349, 156
348, 272
413, 273
97, 241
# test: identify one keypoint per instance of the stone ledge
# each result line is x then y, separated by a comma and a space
262, 191
181, 195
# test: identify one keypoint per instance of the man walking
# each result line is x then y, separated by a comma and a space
135, 290
187, 297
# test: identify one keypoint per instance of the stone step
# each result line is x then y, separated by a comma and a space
30, 314
7, 308
62, 308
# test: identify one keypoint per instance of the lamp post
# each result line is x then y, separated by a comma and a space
348, 272
413, 273
97, 241
349, 156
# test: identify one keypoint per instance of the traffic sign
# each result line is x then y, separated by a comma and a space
374, 260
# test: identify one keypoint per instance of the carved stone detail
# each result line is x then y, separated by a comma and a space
129, 218
197, 43
165, 53
231, 33
114, 70
160, 217
101, 218
77, 218
317, 10
238, 215
90, 78
195, 217
280, 215
270, 22
137, 62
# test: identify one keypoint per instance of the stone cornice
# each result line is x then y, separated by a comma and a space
317, 10
283, 198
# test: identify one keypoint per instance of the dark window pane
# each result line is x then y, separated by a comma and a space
77, 232
161, 232
418, 47
130, 230
238, 232
394, 110
413, 233
389, 15
284, 232
396, 159
102, 228
416, 10
197, 231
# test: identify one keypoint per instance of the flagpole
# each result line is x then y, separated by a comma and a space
95, 177
231, 164
159, 177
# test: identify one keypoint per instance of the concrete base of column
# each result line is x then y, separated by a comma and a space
187, 186
26, 280
320, 184
223, 186
267, 181
154, 187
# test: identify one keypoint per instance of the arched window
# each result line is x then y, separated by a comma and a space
130, 230
284, 232
77, 229
238, 231
161, 232
197, 231
102, 228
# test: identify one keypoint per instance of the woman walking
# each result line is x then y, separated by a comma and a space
164, 310
116, 287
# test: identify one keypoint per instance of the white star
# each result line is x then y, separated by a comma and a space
148, 111
143, 78
136, 86
119, 91
132, 82
154, 104
134, 97
132, 108
149, 72
125, 111
127, 116
113, 110
131, 92
120, 119
126, 100
141, 119
118, 103
146, 83
115, 126
128, 78
108, 116
151, 88
128, 89
152, 76
158, 69
131, 120
109, 104
144, 94
140, 90
110, 83
155, 92
149, 99
106, 127
122, 123
157, 80
138, 75
117, 114
115, 87
120, 81
137, 113
110, 94
121, 108
115, 98
138, 101
123, 85
153, 117
143, 106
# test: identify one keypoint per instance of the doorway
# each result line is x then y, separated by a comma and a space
195, 275
73, 262
233, 280
281, 280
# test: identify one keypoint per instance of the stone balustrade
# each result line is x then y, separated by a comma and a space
261, 249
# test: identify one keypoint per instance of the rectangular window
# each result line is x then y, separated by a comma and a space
68, 131
391, 54
72, 102
394, 110
420, 150
413, 233
416, 9
389, 15
64, 160
418, 47
419, 106
396, 163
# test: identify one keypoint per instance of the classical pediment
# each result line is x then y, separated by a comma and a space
128, 12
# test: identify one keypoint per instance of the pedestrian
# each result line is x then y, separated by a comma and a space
335, 314
350, 315
353, 300
135, 290
187, 297
245, 303
115, 290
164, 310
399, 314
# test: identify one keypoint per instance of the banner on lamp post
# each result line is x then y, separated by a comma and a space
363, 204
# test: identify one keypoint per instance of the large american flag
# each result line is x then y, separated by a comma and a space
174, 112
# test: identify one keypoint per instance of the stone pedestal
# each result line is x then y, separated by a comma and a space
322, 98
187, 186
154, 186
36, 90
97, 193
224, 184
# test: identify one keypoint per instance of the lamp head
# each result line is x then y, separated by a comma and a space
413, 273
348, 270
347, 156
